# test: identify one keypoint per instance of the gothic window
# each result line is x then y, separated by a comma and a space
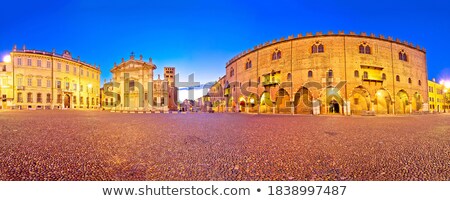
402, 56
276, 54
317, 47
364, 48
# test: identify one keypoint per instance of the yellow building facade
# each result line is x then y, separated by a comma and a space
332, 73
437, 96
36, 79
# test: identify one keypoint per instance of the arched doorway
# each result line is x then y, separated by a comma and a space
360, 100
67, 101
253, 103
242, 104
417, 102
283, 102
382, 102
401, 102
333, 107
266, 104
303, 101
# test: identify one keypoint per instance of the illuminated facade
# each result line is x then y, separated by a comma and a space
133, 87
438, 96
333, 73
46, 80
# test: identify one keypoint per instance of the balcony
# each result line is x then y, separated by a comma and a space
271, 82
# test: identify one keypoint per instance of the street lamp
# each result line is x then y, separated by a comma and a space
7, 58
89, 91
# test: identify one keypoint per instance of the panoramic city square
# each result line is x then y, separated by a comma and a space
99, 145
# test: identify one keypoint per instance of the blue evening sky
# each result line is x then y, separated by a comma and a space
201, 36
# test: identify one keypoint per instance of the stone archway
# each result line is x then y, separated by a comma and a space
265, 105
334, 107
382, 102
360, 100
417, 102
253, 103
283, 101
242, 104
303, 101
401, 102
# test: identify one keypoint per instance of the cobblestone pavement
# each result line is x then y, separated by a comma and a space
94, 145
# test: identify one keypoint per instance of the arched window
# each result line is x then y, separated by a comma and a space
356, 73
364, 48
314, 49
317, 47
383, 76
232, 72
420, 83
289, 77
402, 55
276, 54
366, 75
49, 98
330, 73
367, 49
320, 49
248, 64
361, 49
409, 80
310, 74
397, 78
